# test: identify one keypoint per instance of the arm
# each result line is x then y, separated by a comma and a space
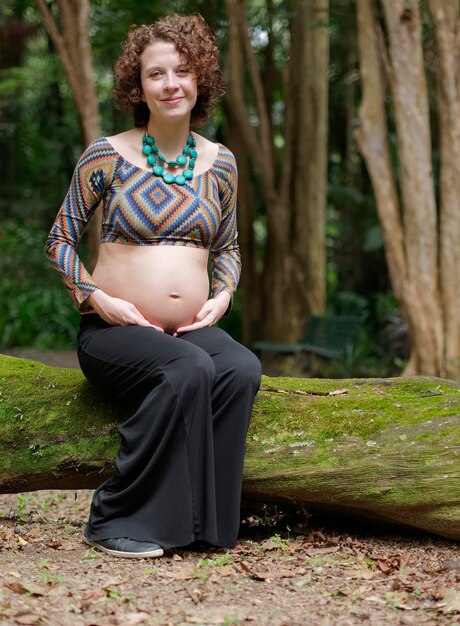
90, 180
225, 253
92, 177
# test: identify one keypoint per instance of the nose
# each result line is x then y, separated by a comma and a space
171, 80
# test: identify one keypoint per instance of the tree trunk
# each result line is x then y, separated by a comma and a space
73, 45
74, 48
421, 258
386, 449
294, 192
445, 15
310, 187
372, 138
409, 92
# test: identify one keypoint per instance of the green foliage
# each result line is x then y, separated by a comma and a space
35, 309
204, 565
41, 138
376, 351
231, 323
22, 505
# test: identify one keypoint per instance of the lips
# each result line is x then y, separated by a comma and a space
172, 100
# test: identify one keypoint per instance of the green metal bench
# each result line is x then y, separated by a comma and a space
330, 336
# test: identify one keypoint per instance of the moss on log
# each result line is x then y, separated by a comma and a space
388, 449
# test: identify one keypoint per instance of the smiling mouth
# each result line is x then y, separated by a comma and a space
172, 99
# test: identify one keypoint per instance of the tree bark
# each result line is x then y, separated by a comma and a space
386, 449
372, 138
409, 217
73, 44
310, 188
445, 15
293, 178
409, 92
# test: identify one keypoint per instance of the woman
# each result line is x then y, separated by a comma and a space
147, 335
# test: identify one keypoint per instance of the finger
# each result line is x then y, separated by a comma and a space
195, 326
198, 324
192, 326
186, 329
143, 322
137, 318
207, 310
202, 315
139, 321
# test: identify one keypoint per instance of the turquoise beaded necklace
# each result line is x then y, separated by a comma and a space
155, 159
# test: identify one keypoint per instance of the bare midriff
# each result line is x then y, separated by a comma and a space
168, 284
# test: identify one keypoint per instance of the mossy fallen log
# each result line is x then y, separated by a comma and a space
387, 449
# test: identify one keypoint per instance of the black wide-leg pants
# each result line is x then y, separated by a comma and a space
187, 402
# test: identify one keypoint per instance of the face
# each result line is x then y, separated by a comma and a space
168, 83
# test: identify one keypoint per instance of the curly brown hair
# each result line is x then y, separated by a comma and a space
195, 40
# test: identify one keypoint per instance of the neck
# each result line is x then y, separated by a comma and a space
170, 138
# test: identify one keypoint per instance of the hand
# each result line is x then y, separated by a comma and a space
116, 311
209, 314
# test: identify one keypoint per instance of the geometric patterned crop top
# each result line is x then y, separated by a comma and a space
140, 209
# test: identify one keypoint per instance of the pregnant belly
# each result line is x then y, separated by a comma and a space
171, 310
168, 284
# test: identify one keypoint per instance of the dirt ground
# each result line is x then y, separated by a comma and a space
287, 570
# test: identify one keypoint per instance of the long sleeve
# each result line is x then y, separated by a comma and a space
91, 179
225, 253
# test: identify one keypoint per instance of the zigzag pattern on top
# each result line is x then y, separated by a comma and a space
141, 209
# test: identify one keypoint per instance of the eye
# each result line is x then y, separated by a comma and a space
155, 74
183, 70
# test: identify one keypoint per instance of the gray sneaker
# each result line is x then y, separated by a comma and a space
125, 547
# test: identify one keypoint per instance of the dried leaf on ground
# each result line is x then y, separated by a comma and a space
54, 543
29, 618
130, 619
22, 589
362, 574
390, 564
182, 574
321, 551
224, 570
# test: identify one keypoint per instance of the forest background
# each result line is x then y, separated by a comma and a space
345, 120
